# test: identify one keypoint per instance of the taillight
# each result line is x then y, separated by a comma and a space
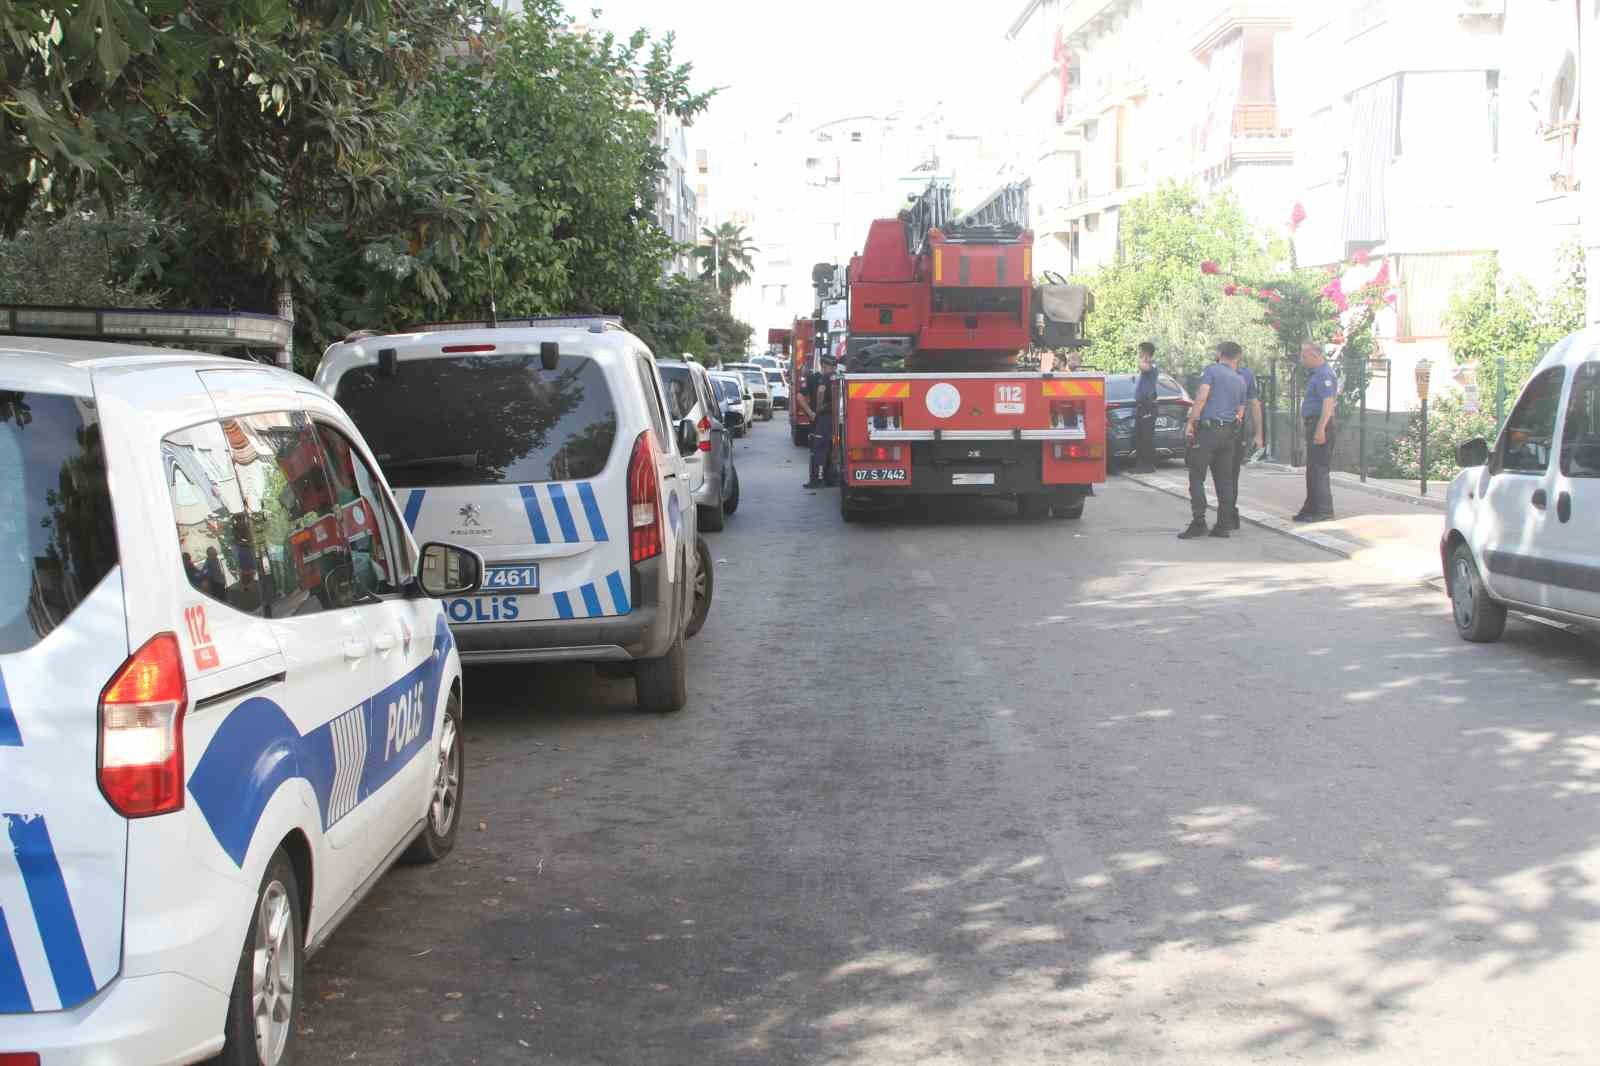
1065, 414
704, 427
141, 731
878, 454
644, 501
19, 1058
1080, 451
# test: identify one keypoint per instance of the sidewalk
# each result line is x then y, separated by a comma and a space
1385, 525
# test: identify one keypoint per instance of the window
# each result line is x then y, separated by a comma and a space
57, 533
1491, 86
378, 547
1580, 441
1526, 442
652, 401
708, 400
484, 419
215, 540
681, 395
284, 482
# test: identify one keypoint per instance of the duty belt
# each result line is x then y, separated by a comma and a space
1217, 423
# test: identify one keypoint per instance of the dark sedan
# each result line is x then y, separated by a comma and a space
1172, 411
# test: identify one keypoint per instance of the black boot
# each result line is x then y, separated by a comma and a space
1196, 530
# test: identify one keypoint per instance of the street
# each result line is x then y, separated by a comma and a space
954, 788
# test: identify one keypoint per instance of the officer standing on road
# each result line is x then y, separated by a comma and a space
1144, 408
822, 434
1252, 434
1322, 393
1212, 434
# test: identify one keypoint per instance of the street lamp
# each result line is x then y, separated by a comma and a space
1424, 369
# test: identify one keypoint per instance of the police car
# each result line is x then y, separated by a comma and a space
227, 702
547, 446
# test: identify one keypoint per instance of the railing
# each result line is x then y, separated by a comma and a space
1257, 120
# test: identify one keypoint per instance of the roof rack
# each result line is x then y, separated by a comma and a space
145, 325
593, 323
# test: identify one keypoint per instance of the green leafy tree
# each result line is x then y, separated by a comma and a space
1449, 424
726, 256
692, 316
80, 257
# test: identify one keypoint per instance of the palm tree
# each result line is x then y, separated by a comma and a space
726, 256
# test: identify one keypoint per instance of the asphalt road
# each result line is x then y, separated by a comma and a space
954, 788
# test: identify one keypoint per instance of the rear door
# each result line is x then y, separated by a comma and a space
519, 463
1569, 542
63, 636
1515, 489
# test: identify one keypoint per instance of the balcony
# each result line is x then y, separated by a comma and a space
1215, 20
1258, 136
1257, 120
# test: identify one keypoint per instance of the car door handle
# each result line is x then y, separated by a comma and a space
1540, 500
1564, 507
384, 642
356, 650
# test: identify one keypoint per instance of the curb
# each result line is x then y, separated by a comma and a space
1248, 514
1353, 481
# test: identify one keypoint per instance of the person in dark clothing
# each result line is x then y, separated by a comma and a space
1212, 434
1317, 409
1252, 429
1144, 409
822, 435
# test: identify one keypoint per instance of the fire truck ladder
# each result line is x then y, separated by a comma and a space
1000, 218
929, 211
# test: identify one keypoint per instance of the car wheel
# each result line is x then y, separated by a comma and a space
1478, 618
438, 834
703, 580
663, 684
1033, 505
850, 508
730, 503
1067, 506
263, 1013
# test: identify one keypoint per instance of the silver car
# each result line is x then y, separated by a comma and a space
737, 403
713, 480
756, 378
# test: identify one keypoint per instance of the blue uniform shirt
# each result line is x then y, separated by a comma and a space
1322, 384
1226, 395
1250, 390
1144, 391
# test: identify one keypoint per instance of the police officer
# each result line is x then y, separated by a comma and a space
1144, 408
1322, 394
1212, 435
1252, 430
822, 433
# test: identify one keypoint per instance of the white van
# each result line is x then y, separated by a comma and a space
546, 445
1522, 517
227, 703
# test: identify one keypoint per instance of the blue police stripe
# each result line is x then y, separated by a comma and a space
413, 508
10, 735
569, 528
591, 600
619, 592
530, 503
52, 909
14, 998
591, 507
564, 605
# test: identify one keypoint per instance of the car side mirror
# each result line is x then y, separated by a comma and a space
688, 437
1474, 452
447, 570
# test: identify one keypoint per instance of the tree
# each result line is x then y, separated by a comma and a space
692, 316
726, 257
80, 257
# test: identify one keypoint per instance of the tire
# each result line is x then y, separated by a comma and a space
801, 435
850, 508
1032, 506
704, 580
1067, 506
663, 683
713, 518
730, 504
1478, 618
438, 834
276, 927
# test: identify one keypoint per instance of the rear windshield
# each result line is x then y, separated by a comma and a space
484, 419
754, 377
681, 396
726, 389
57, 535
773, 377
1119, 388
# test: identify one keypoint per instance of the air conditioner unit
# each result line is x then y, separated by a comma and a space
1480, 8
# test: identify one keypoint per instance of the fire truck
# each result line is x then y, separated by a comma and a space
818, 344
934, 397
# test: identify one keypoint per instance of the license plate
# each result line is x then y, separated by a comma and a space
1166, 423
477, 610
878, 475
972, 479
524, 578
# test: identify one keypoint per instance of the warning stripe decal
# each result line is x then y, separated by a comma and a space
1084, 387
880, 390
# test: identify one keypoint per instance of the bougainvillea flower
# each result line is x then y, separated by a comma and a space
1297, 216
1210, 266
1361, 258
1392, 298
1230, 290
1274, 295
1382, 278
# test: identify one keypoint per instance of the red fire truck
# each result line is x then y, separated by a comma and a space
818, 344
934, 399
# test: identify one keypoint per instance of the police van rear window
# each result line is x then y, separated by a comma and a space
57, 532
483, 419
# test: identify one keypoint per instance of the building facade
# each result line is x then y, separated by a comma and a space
677, 206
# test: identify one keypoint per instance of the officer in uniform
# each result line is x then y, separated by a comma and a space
1144, 408
1317, 409
1252, 435
822, 433
1212, 435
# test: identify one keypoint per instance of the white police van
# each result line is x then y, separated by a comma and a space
546, 445
226, 703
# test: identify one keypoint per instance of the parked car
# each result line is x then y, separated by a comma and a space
231, 701
767, 362
733, 394
713, 481
1172, 413
779, 388
759, 391
548, 447
1520, 517
747, 399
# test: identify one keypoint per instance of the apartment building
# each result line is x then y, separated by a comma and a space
677, 206
1118, 95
